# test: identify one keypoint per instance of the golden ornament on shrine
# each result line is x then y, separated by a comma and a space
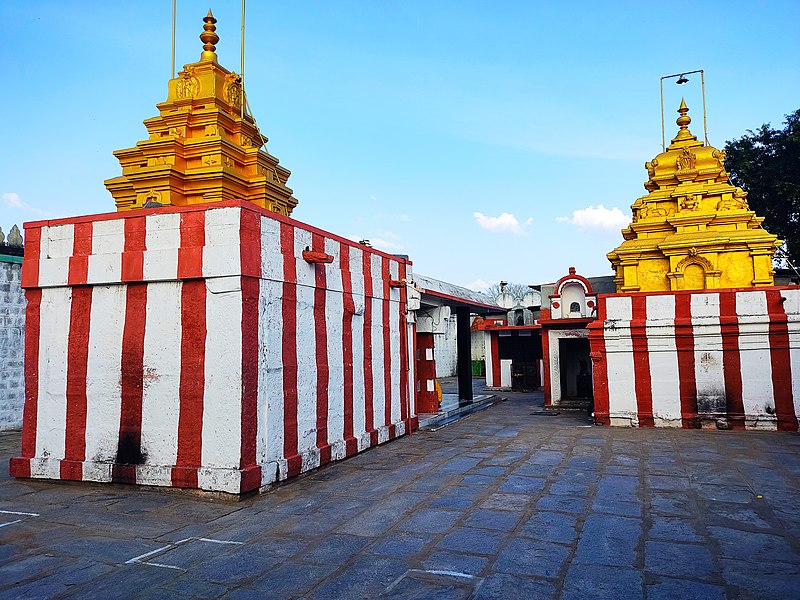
203, 146
693, 230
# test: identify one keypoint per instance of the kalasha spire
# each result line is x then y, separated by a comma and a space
209, 38
684, 120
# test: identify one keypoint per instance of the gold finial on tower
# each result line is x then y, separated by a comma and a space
684, 120
209, 38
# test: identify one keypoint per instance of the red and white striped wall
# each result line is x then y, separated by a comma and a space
727, 358
195, 347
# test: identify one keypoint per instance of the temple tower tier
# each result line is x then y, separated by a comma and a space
203, 146
693, 230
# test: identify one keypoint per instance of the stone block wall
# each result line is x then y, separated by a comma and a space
12, 338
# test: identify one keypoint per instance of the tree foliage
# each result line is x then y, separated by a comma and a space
766, 164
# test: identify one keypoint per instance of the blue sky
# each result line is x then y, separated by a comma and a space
480, 138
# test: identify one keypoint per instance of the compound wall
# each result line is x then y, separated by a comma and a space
719, 358
12, 331
196, 347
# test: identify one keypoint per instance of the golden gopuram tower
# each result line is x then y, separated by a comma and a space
693, 230
203, 146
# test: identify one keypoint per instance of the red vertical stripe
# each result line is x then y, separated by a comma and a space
684, 344
321, 333
250, 253
412, 410
641, 361
22, 467
129, 446
780, 357
731, 359
135, 245
289, 350
351, 444
495, 343
404, 406
250, 242
81, 249
366, 264
597, 352
78, 353
192, 383
251, 472
546, 370
30, 263
193, 238
387, 346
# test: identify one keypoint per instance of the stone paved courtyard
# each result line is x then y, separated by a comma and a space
503, 504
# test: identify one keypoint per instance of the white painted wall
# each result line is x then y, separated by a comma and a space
446, 350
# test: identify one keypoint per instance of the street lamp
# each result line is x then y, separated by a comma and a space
681, 80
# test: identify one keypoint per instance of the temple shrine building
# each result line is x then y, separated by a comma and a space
200, 337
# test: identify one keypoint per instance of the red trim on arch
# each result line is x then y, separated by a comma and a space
573, 277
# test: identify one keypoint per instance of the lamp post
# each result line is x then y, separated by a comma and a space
681, 80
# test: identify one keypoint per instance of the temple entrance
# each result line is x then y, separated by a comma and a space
521, 351
427, 398
575, 369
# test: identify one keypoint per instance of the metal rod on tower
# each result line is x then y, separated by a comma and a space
242, 62
705, 116
174, 12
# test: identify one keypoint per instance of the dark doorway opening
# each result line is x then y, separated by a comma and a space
575, 368
524, 349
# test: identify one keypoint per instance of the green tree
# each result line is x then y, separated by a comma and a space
766, 164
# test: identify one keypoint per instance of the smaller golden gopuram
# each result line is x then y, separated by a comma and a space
693, 230
204, 146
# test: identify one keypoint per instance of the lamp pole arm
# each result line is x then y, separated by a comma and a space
702, 87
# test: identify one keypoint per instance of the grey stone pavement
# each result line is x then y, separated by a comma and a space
502, 504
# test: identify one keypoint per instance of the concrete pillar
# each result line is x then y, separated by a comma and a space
464, 360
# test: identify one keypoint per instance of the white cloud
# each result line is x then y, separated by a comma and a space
373, 197
503, 223
385, 245
388, 242
598, 219
480, 285
13, 200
